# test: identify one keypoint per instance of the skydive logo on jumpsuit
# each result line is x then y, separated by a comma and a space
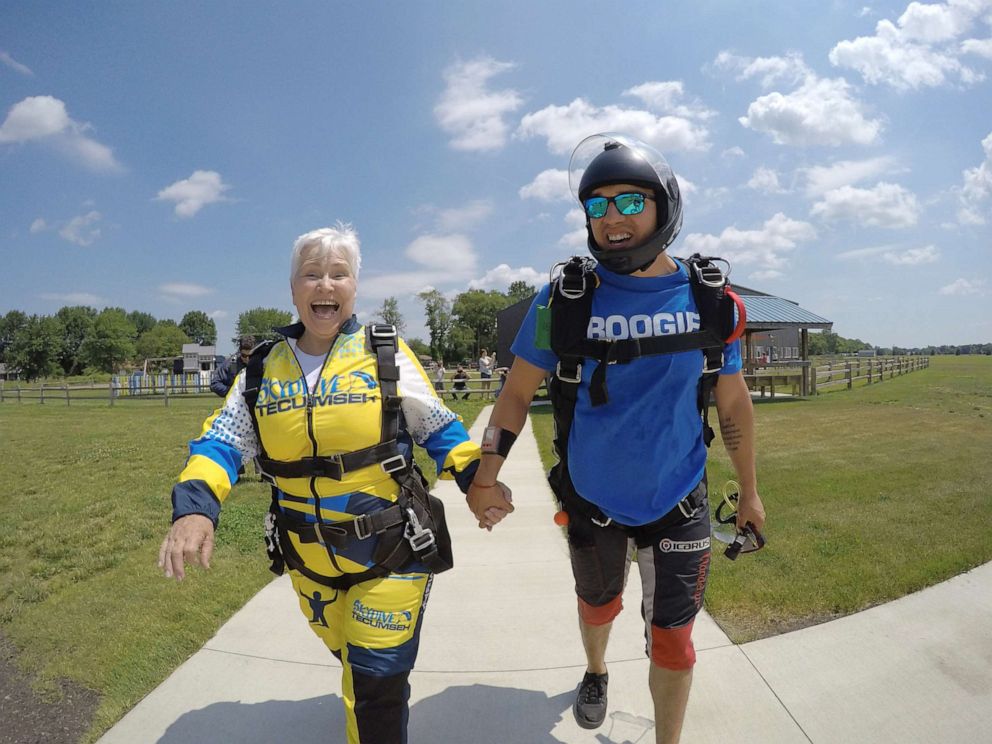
641, 326
380, 618
278, 396
683, 546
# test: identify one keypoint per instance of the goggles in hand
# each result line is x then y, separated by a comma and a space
739, 540
626, 204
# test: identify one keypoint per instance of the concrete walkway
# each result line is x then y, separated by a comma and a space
500, 659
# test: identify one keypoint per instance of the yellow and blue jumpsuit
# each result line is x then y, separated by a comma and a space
374, 626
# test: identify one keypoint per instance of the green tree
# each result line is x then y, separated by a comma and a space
438, 311
111, 343
142, 322
461, 343
260, 321
476, 310
166, 339
390, 313
199, 327
418, 347
77, 320
519, 290
34, 352
10, 325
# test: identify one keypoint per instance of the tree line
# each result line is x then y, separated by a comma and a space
828, 342
80, 340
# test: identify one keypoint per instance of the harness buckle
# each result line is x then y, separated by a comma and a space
684, 508
712, 275
419, 538
578, 373
706, 368
382, 331
363, 527
572, 294
319, 534
393, 464
337, 460
599, 523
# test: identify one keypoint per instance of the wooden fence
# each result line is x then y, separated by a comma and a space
795, 378
800, 379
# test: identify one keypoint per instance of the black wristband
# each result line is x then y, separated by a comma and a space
497, 441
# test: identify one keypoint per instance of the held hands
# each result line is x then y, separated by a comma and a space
489, 504
189, 536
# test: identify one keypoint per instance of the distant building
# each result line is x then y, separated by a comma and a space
198, 358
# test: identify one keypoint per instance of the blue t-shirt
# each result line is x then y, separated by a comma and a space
640, 454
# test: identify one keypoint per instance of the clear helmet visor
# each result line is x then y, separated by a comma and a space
649, 160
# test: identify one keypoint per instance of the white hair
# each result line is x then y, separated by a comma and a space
341, 239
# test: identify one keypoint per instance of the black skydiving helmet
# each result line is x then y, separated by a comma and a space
610, 158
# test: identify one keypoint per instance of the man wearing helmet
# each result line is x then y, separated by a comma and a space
632, 474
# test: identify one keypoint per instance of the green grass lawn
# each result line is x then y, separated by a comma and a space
84, 504
871, 494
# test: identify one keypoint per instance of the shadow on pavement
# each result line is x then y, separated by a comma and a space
471, 714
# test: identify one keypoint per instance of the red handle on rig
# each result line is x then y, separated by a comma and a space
741, 316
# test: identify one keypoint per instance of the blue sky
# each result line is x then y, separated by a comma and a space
164, 156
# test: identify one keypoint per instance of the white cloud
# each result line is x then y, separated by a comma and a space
912, 256
819, 112
918, 50
964, 287
39, 225
766, 180
470, 112
732, 152
765, 275
15, 65
981, 47
549, 185
788, 70
184, 289
45, 119
686, 188
82, 229
823, 178
33, 118
976, 193
73, 298
664, 98
565, 126
464, 218
502, 276
767, 247
577, 236
218, 314
405, 284
194, 193
452, 253
885, 205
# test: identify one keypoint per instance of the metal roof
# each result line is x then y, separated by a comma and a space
767, 312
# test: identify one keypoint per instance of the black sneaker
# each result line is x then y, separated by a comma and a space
590, 702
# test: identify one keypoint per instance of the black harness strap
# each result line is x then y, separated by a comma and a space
571, 307
413, 528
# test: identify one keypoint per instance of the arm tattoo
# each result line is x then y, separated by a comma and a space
731, 434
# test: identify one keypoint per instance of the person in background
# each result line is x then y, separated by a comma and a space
227, 371
332, 411
485, 373
439, 373
461, 383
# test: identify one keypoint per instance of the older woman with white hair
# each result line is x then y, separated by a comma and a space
331, 412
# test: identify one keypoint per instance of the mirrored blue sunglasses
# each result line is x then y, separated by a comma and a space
626, 204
